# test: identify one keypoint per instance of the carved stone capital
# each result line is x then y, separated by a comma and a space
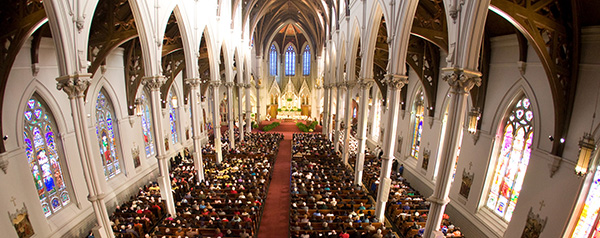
365, 83
74, 85
341, 86
395, 81
154, 82
229, 84
350, 84
247, 86
461, 80
214, 84
194, 82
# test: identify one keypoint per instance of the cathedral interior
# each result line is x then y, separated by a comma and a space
480, 113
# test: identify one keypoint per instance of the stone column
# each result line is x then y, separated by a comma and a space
248, 108
196, 126
461, 81
326, 111
230, 118
347, 121
329, 105
75, 86
338, 115
394, 85
372, 111
258, 109
317, 102
240, 113
166, 193
214, 85
365, 85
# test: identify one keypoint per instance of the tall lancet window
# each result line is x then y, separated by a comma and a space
173, 115
106, 129
147, 125
290, 61
417, 114
513, 158
306, 61
587, 221
273, 60
43, 153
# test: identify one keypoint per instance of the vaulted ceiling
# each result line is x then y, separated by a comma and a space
268, 17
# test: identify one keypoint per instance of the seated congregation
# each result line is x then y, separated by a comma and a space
324, 200
228, 203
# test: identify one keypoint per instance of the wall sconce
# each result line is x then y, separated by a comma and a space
174, 102
139, 107
474, 116
587, 146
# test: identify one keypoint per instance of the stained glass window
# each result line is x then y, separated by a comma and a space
418, 109
106, 129
512, 161
42, 151
589, 213
306, 61
173, 118
290, 61
273, 60
147, 125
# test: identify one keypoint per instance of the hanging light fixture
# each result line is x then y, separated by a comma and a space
139, 107
174, 102
587, 146
474, 116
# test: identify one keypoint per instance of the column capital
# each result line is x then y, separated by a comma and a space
74, 85
461, 80
349, 84
194, 82
214, 84
341, 86
229, 84
325, 86
365, 83
154, 82
247, 85
395, 81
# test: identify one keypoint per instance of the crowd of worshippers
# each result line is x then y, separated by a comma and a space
312, 144
324, 200
406, 209
228, 203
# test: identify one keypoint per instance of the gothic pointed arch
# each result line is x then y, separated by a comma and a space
417, 123
510, 158
107, 133
45, 156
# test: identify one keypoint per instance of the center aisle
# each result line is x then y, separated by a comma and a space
275, 219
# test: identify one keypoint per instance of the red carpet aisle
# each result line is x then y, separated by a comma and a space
275, 220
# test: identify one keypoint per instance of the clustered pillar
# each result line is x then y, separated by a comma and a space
75, 86
196, 126
364, 86
460, 81
394, 85
154, 83
214, 85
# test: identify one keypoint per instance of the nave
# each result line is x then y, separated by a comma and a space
269, 179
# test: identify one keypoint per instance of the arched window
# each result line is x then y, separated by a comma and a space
42, 150
147, 125
290, 61
513, 158
173, 116
589, 214
418, 110
106, 128
273, 60
306, 61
